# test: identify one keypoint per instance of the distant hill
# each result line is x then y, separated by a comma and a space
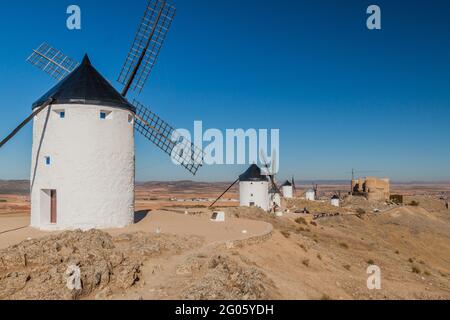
20, 187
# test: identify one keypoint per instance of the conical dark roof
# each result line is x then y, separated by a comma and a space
287, 184
252, 174
85, 85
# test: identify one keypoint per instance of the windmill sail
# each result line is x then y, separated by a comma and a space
52, 61
165, 137
271, 172
147, 45
220, 197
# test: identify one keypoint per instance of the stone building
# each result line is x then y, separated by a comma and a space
374, 189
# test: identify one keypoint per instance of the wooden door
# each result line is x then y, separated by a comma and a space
53, 207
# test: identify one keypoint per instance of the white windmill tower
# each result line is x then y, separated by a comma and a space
257, 188
83, 166
335, 201
288, 189
310, 195
253, 189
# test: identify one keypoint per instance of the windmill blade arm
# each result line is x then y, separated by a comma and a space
166, 138
52, 61
265, 162
274, 185
220, 197
147, 45
25, 122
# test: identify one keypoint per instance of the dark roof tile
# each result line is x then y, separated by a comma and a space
85, 85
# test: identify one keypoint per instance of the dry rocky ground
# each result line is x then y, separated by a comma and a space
36, 269
326, 258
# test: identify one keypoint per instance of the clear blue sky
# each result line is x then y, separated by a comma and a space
342, 96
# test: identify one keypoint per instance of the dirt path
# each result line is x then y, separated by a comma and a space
14, 227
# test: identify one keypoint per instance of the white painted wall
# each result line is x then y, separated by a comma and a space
335, 202
309, 195
274, 198
92, 168
256, 192
288, 192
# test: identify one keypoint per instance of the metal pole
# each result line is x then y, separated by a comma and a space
212, 205
25, 122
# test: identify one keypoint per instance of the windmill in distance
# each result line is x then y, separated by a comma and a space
275, 194
83, 144
257, 187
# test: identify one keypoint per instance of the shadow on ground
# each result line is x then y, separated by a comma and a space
140, 215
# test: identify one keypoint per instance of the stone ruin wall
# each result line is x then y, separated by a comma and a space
375, 189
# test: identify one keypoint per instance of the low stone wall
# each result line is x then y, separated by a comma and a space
250, 241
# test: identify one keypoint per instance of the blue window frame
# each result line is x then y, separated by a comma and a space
62, 115
48, 161
103, 115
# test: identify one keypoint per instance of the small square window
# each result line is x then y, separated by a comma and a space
62, 115
48, 161
103, 115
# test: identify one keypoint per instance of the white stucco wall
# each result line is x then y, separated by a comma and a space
310, 196
257, 192
92, 168
288, 192
335, 202
274, 198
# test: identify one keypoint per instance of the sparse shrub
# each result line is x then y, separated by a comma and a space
319, 256
343, 245
306, 262
422, 262
414, 204
286, 234
301, 221
370, 262
348, 267
360, 211
427, 273
325, 297
303, 247
442, 274
313, 223
397, 252
301, 229
416, 270
3, 201
411, 260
